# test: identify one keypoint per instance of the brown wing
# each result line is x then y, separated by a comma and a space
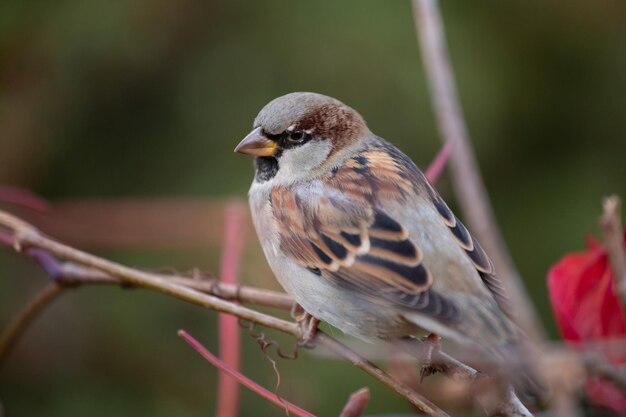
339, 232
332, 233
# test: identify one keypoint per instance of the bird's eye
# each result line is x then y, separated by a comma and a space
296, 135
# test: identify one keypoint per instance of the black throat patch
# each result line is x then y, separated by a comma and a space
266, 168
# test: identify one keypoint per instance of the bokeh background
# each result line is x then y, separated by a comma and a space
144, 100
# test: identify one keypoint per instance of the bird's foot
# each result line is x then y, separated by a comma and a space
433, 343
308, 328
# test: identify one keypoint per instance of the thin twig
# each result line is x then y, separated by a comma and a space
72, 272
24, 318
240, 378
611, 224
438, 164
24, 198
467, 181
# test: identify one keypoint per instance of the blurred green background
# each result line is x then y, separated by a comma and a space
147, 98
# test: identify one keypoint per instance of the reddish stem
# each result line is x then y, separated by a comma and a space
23, 198
242, 379
229, 338
434, 170
356, 403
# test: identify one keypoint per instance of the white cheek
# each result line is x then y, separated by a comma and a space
299, 162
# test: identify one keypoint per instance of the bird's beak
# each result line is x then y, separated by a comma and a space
257, 144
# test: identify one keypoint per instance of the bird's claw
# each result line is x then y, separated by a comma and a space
308, 328
433, 343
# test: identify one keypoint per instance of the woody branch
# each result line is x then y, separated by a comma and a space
80, 268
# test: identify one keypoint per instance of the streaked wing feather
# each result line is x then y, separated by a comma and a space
366, 241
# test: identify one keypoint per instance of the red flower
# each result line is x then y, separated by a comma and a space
587, 310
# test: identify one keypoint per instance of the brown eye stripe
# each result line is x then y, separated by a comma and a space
333, 121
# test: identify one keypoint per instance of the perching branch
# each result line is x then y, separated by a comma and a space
467, 182
23, 236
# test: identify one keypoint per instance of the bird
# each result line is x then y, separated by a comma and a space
358, 236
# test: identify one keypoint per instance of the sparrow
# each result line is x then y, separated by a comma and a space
358, 236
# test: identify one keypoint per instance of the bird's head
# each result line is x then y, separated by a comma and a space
301, 131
